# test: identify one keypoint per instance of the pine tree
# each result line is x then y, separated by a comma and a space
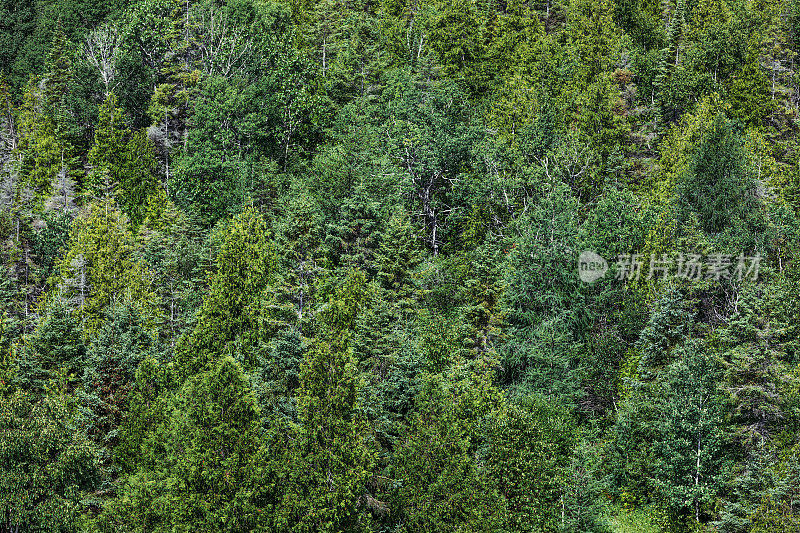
173, 246
670, 55
750, 93
593, 38
397, 259
46, 155
59, 72
527, 452
300, 237
456, 39
719, 184
543, 346
689, 452
112, 358
353, 239
56, 346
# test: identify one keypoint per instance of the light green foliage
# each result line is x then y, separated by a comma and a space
47, 158
593, 37
100, 268
233, 310
455, 37
106, 155
335, 452
527, 451
138, 178
750, 94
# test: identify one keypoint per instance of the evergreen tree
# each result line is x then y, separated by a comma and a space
106, 155
336, 456
56, 346
440, 480
111, 362
138, 177
100, 268
719, 184
234, 312
198, 460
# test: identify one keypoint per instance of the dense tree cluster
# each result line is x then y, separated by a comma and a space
312, 265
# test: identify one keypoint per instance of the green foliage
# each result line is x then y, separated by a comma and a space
100, 268
750, 94
294, 265
105, 156
234, 309
440, 480
429, 138
543, 352
47, 463
199, 459
173, 247
56, 346
110, 367
527, 451
719, 186
335, 452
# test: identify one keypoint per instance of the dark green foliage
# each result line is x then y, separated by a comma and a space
543, 352
719, 185
55, 351
111, 362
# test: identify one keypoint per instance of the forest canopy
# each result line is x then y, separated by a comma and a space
400, 265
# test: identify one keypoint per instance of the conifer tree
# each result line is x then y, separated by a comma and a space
198, 460
138, 177
335, 453
234, 311
440, 480
56, 346
100, 268
47, 465
106, 155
